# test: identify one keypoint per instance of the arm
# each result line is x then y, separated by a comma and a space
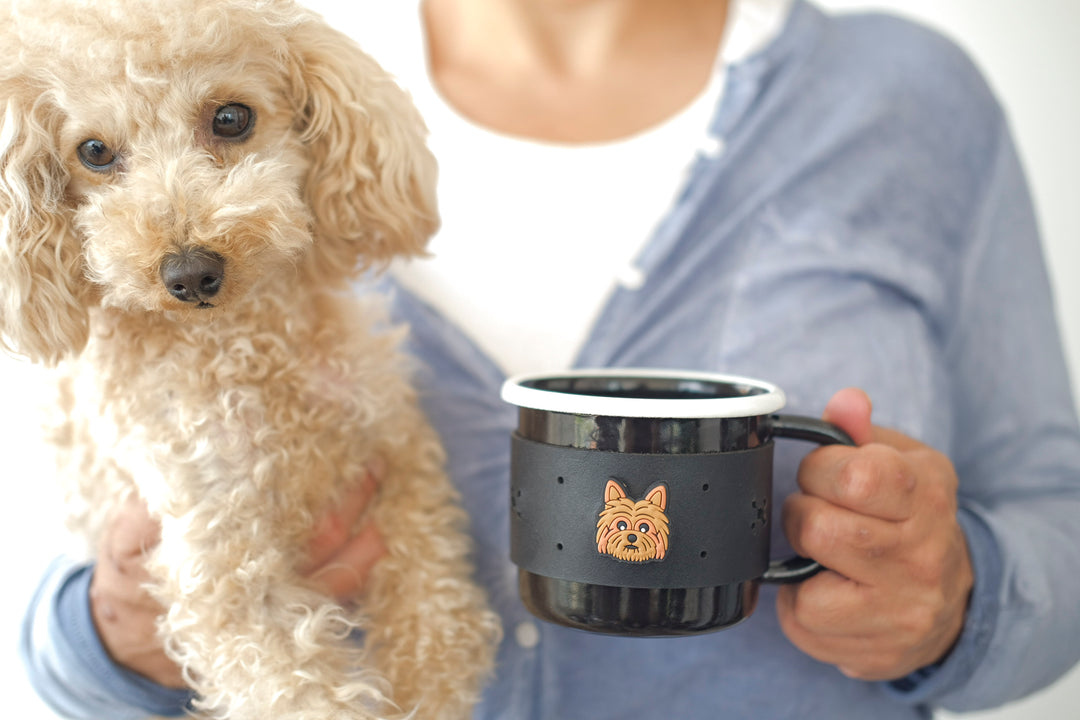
67, 663
1017, 453
89, 640
1012, 482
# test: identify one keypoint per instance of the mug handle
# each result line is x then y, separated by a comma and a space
800, 427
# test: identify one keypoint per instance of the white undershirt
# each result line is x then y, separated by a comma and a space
524, 268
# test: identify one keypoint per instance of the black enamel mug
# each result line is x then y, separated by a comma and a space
641, 499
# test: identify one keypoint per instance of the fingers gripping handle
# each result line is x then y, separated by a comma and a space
798, 427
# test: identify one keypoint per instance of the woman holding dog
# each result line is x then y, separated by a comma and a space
751, 187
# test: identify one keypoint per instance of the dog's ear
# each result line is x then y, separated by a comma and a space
658, 496
43, 291
613, 491
371, 186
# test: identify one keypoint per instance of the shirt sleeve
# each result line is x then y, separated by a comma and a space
67, 663
1017, 454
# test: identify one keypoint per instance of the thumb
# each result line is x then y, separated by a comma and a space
849, 409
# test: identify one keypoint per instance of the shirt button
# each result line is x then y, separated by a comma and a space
527, 635
711, 146
630, 277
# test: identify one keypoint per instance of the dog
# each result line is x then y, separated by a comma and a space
633, 531
189, 190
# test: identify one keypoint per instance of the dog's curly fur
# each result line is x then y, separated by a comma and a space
240, 416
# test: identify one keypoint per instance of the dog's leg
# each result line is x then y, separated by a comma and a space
255, 642
431, 632
92, 483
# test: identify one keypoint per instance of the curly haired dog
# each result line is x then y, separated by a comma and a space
187, 188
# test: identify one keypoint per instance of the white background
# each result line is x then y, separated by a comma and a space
1030, 52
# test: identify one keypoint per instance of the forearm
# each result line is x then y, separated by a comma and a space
67, 664
1016, 447
1032, 641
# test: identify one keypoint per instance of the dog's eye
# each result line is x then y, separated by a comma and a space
234, 121
96, 155
643, 527
622, 525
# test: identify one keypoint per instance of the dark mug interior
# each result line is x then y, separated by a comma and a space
695, 428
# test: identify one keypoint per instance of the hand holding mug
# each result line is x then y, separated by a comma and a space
882, 517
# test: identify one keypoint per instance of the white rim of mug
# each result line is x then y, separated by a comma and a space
769, 400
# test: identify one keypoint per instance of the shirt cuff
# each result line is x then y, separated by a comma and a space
930, 683
77, 655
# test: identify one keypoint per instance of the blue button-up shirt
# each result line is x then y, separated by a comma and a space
867, 224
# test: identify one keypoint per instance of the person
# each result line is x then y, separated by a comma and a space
752, 187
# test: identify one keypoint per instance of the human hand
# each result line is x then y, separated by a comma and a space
339, 562
125, 614
881, 517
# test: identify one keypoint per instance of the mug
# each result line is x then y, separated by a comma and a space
641, 499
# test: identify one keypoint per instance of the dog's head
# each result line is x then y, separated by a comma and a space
171, 155
635, 531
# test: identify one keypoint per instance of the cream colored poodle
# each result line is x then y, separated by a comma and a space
186, 189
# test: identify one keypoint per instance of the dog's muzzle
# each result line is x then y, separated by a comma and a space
193, 275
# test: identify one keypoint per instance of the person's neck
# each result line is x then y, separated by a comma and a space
572, 70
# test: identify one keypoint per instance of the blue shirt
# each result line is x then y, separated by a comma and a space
868, 224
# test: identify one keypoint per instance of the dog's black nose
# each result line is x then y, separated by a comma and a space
631, 538
193, 275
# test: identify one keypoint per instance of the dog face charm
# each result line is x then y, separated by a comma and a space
633, 531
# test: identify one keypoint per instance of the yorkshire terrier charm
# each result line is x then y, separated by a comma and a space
632, 531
